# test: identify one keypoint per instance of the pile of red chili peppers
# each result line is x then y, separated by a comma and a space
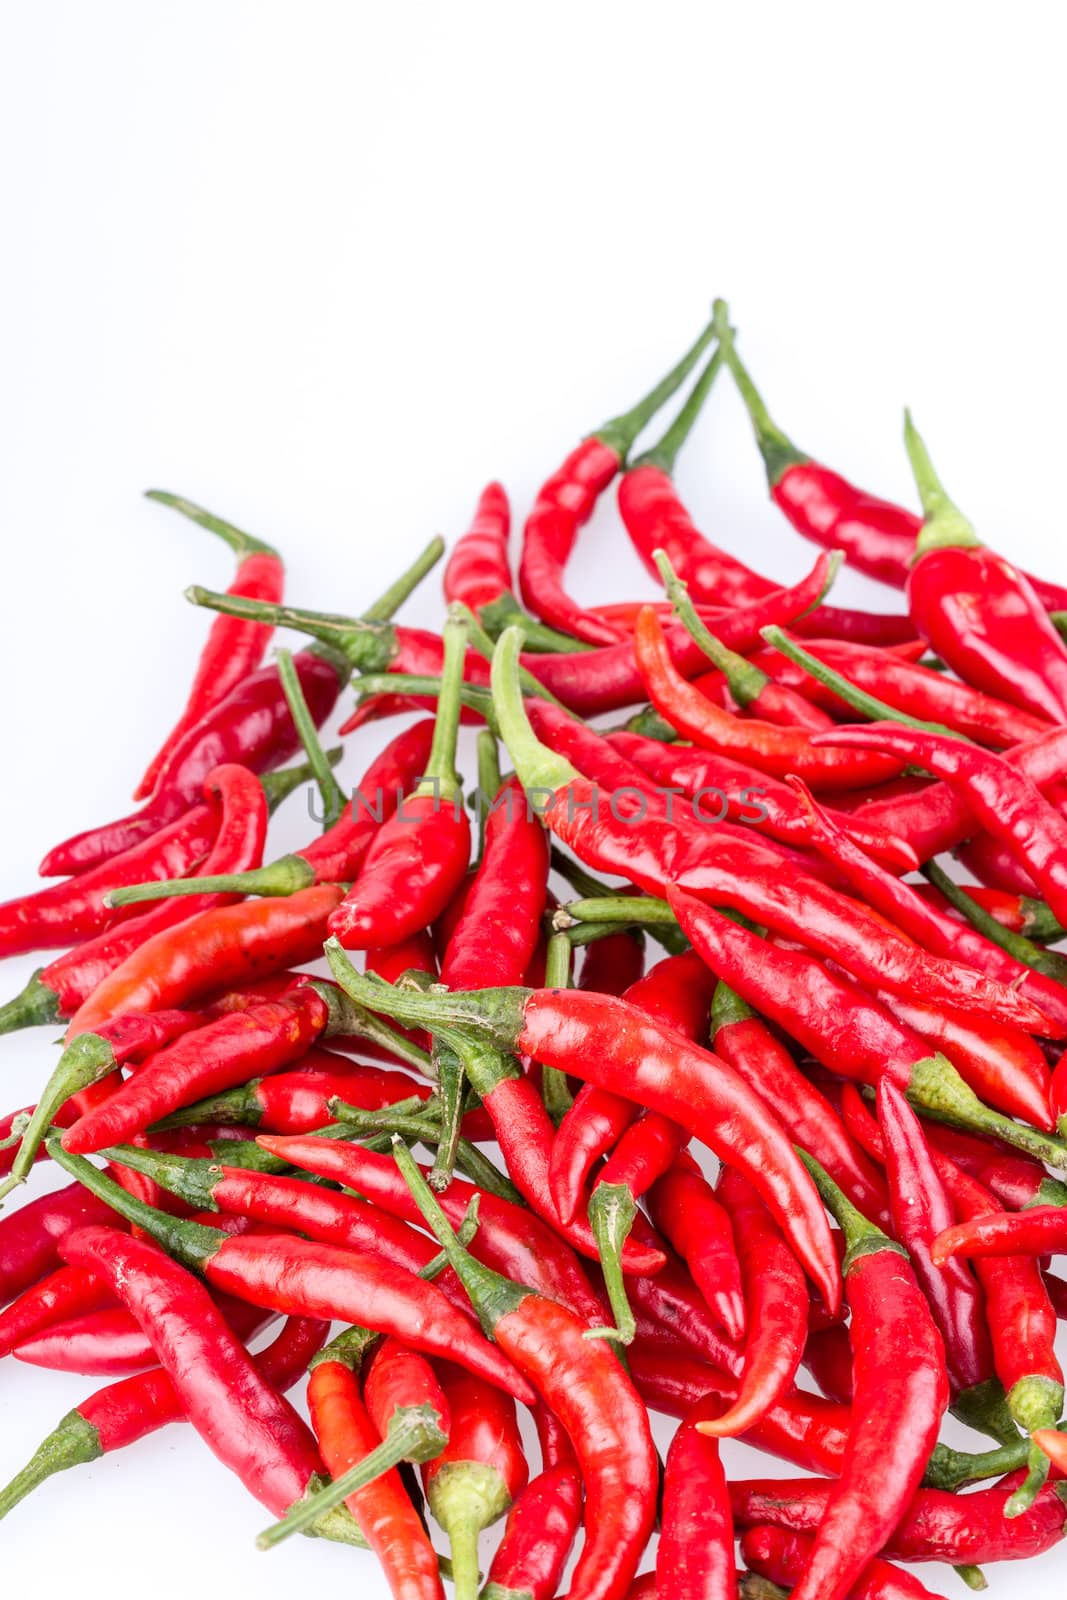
700, 1056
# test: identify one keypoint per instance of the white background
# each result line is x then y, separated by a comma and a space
328, 268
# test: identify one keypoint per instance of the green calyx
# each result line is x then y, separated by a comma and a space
744, 681
936, 1088
333, 801
349, 1349
490, 1017
366, 646
1036, 1402
85, 1061
612, 1213
242, 544
492, 1295
36, 1006
862, 1237
479, 640
984, 1407
189, 1242
540, 770
191, 1178
72, 1443
778, 451
538, 637
727, 1007
283, 877
278, 786
664, 455
957, 1469
944, 524
347, 1018
465, 1497
442, 780
620, 433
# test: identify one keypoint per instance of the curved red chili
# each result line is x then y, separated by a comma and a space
30, 1237
232, 649
566, 501
541, 1528
778, 1554
695, 1558
65, 1293
684, 1207
296, 1102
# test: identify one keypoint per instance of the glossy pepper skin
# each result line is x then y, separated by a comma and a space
299, 1277
936, 1526
1039, 1231
684, 1207
510, 1239
68, 912
253, 726
215, 951
977, 611
695, 1558
241, 1418
30, 1237
64, 1293
541, 1528
237, 847
298, 1101
124, 1412
213, 1058
780, 1555
607, 1041
478, 571
900, 1395
337, 854
233, 648
383, 1509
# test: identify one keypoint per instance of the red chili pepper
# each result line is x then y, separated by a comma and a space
695, 1558
828, 1357
977, 611
290, 1203
30, 1237
749, 1046
124, 1412
383, 1509
776, 1309
1039, 1231
802, 1428
109, 1342
68, 912
683, 1206
477, 571
1002, 799
478, 1475
243, 1420
418, 857
211, 1059
921, 1210
211, 953
541, 1528
1015, 1180
252, 726
566, 501
750, 796
913, 689
302, 1278
776, 750
509, 1238
783, 1556
937, 1525
583, 1382
846, 1029
65, 984
877, 537
1018, 913
609, 1042
232, 649
62, 1294
901, 1392
873, 630
296, 1102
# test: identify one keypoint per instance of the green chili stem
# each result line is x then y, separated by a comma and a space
333, 801
866, 704
943, 521
538, 767
778, 451
612, 1212
389, 603
664, 454
480, 641
620, 432
280, 878
744, 681
537, 636
242, 544
1047, 962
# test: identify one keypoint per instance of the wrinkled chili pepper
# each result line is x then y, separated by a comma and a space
566, 501
606, 1041
232, 649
